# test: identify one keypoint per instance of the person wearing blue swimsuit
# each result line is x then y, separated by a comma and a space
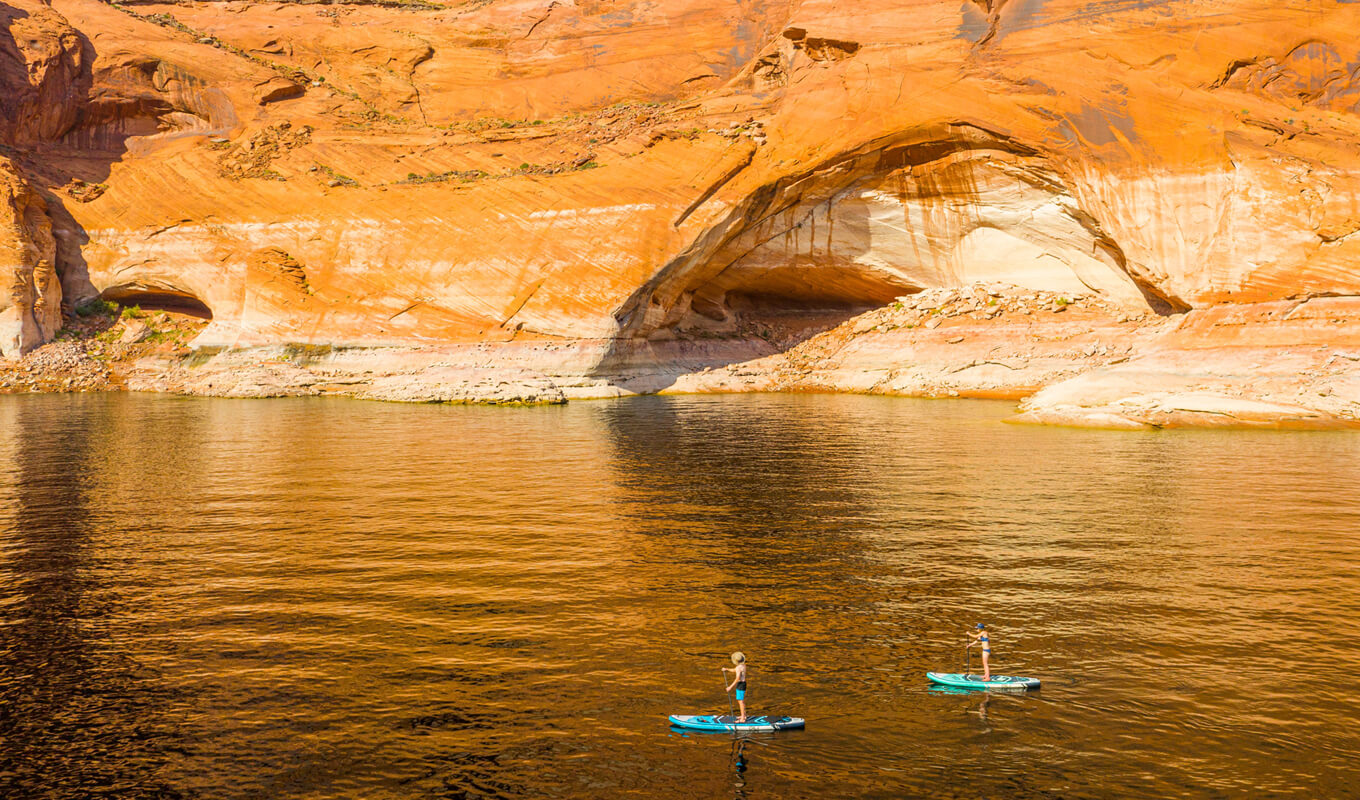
980, 638
738, 681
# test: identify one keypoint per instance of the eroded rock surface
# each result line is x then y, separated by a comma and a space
44, 74
668, 180
1290, 364
30, 303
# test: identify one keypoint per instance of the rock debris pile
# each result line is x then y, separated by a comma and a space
56, 367
930, 308
92, 353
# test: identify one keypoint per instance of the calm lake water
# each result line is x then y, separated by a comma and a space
338, 599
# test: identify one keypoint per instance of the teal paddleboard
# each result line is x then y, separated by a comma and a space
976, 681
727, 722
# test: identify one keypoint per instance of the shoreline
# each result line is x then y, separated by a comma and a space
1071, 362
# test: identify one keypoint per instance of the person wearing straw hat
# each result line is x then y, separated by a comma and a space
738, 681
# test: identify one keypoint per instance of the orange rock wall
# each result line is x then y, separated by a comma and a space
30, 304
381, 174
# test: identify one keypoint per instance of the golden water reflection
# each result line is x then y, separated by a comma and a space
325, 598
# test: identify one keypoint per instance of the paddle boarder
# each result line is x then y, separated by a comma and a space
980, 638
738, 681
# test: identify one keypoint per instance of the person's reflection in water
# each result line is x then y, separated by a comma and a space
982, 711
738, 763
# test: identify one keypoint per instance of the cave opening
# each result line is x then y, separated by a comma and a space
782, 305
167, 300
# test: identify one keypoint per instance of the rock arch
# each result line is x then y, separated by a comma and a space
945, 206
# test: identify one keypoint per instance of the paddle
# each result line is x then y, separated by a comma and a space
731, 710
968, 655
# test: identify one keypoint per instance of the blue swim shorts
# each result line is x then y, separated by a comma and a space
741, 694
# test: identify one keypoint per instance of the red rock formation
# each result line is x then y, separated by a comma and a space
616, 170
42, 80
30, 305
43, 74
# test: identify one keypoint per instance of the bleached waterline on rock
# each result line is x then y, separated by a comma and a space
1068, 360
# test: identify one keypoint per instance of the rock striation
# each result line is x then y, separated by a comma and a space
30, 305
525, 200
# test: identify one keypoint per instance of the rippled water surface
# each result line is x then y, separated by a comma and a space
338, 599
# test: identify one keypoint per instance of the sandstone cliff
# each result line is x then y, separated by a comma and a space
43, 76
670, 181
30, 306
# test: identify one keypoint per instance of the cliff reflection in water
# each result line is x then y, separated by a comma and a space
76, 710
296, 598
